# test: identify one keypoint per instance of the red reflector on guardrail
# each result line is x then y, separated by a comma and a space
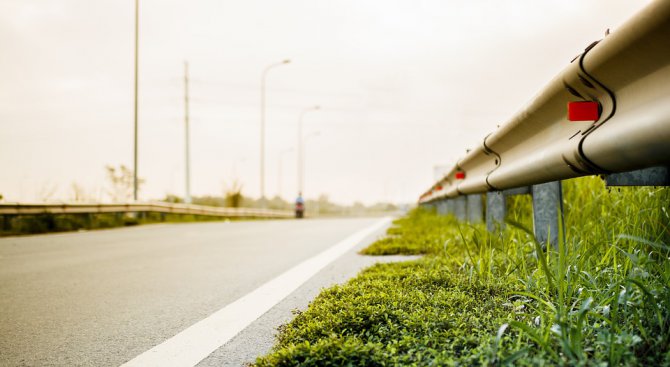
583, 111
460, 175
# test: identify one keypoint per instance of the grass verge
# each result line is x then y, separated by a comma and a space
601, 298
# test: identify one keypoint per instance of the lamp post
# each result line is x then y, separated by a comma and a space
279, 171
300, 146
263, 77
137, 42
187, 153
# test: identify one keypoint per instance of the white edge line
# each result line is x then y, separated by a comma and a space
195, 343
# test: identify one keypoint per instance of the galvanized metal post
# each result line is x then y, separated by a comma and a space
460, 208
442, 207
451, 206
547, 211
475, 212
496, 208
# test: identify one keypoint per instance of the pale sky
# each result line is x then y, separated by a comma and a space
403, 85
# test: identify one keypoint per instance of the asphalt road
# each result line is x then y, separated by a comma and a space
100, 298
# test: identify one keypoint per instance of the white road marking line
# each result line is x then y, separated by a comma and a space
196, 342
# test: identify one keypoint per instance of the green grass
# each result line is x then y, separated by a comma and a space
601, 298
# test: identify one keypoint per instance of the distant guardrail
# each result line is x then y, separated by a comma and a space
167, 208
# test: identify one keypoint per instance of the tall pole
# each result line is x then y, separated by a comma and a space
187, 158
137, 42
300, 147
263, 77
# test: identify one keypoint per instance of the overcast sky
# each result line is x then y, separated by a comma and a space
403, 85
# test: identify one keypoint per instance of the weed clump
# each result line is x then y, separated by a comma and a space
602, 297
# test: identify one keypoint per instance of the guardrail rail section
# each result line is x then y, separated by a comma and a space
12, 209
607, 113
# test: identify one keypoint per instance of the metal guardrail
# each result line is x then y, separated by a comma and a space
627, 74
76, 208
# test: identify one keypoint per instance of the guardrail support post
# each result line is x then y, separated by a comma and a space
496, 208
460, 207
475, 208
451, 206
442, 207
547, 211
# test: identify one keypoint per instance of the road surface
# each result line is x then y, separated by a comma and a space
101, 298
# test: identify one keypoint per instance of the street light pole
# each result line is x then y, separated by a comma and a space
263, 77
300, 146
187, 155
137, 41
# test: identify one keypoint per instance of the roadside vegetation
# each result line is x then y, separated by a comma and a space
12, 225
601, 298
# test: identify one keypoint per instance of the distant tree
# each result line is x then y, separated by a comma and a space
280, 204
121, 183
209, 200
170, 198
78, 193
233, 194
358, 208
47, 191
323, 205
382, 207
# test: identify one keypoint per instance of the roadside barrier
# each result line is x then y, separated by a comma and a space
166, 208
607, 113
